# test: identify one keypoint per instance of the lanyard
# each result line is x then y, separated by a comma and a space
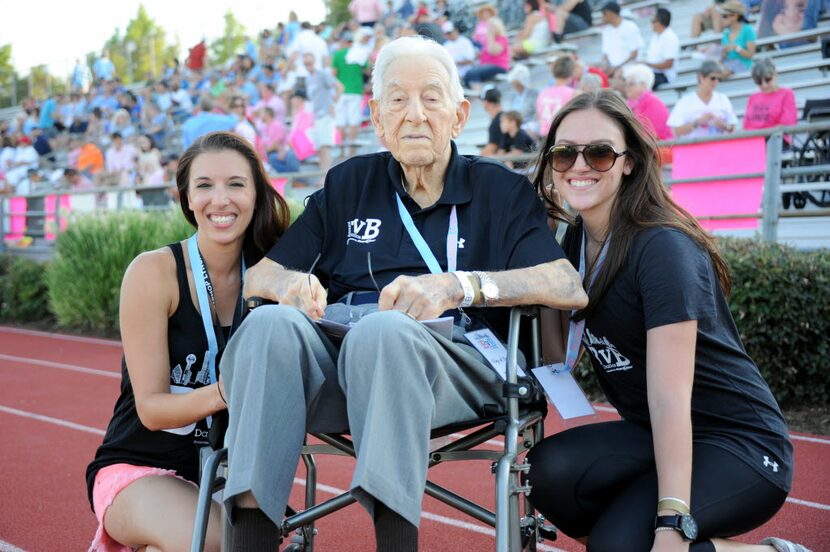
421, 244
576, 329
205, 293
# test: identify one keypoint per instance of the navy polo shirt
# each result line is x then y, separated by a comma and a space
501, 224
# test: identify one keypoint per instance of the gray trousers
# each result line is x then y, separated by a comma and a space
390, 383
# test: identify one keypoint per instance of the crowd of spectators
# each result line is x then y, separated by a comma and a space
299, 92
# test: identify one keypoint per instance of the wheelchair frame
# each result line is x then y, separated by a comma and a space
514, 532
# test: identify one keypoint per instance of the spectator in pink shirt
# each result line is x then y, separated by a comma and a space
553, 98
120, 161
495, 55
273, 137
366, 12
651, 111
772, 105
269, 99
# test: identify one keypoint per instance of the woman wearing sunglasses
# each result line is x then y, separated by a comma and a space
704, 112
772, 105
702, 452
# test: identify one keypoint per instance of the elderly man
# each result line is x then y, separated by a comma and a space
409, 220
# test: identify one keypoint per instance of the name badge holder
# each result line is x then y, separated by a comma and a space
557, 380
206, 298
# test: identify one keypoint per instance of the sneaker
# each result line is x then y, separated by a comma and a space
782, 545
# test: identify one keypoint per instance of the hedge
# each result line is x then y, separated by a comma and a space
91, 256
780, 296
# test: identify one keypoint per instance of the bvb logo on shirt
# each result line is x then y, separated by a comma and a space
606, 353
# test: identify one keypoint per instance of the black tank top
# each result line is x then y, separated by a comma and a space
127, 440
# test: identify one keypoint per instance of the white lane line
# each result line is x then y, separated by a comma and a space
324, 488
810, 439
79, 338
61, 365
51, 420
816, 505
9, 547
434, 517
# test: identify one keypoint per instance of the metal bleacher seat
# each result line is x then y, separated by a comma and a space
517, 527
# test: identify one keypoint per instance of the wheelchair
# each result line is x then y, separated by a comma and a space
814, 151
517, 526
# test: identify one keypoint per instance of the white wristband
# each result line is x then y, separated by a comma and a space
464, 279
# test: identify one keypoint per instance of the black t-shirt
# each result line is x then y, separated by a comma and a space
494, 133
668, 278
127, 440
522, 142
501, 225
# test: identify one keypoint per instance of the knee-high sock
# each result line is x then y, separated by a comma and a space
392, 532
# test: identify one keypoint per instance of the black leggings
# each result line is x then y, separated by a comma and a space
600, 481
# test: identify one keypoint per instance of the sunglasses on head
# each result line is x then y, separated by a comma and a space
600, 157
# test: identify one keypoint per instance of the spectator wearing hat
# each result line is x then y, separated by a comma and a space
621, 40
704, 111
495, 55
25, 158
738, 41
495, 137
460, 48
524, 97
483, 14
663, 49
708, 19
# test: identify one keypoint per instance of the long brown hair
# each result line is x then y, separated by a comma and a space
642, 200
271, 214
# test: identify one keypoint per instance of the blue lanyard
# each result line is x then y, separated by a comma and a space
576, 329
421, 244
203, 289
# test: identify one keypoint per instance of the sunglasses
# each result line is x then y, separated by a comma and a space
728, 15
764, 80
713, 78
600, 157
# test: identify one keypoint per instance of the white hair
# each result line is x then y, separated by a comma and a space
639, 73
416, 47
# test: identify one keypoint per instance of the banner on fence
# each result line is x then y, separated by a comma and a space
721, 197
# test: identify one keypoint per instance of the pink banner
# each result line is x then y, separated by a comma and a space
17, 220
56, 206
721, 197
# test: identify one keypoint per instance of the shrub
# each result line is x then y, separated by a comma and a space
780, 301
90, 259
781, 304
23, 292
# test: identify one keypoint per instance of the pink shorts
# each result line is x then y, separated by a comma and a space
109, 481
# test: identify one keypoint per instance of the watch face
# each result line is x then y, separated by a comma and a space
688, 526
489, 290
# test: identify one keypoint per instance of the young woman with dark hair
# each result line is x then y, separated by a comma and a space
702, 451
179, 305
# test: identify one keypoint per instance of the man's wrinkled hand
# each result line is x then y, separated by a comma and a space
422, 297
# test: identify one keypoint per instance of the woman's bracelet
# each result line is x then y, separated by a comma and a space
673, 503
221, 396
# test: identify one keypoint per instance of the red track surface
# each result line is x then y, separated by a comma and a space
56, 397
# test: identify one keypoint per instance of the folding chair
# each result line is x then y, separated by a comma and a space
523, 422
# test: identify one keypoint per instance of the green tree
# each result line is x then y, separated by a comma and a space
231, 42
142, 51
338, 11
8, 77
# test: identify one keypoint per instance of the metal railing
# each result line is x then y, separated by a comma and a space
770, 213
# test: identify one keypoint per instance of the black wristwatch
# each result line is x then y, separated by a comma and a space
682, 523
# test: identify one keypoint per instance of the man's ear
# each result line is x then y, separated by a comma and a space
374, 114
462, 115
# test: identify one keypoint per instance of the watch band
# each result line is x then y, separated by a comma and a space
467, 286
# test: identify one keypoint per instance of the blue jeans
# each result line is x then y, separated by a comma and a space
482, 73
288, 164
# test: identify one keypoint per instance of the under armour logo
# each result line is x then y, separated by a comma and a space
770, 464
460, 243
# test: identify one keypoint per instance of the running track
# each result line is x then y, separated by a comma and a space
56, 397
